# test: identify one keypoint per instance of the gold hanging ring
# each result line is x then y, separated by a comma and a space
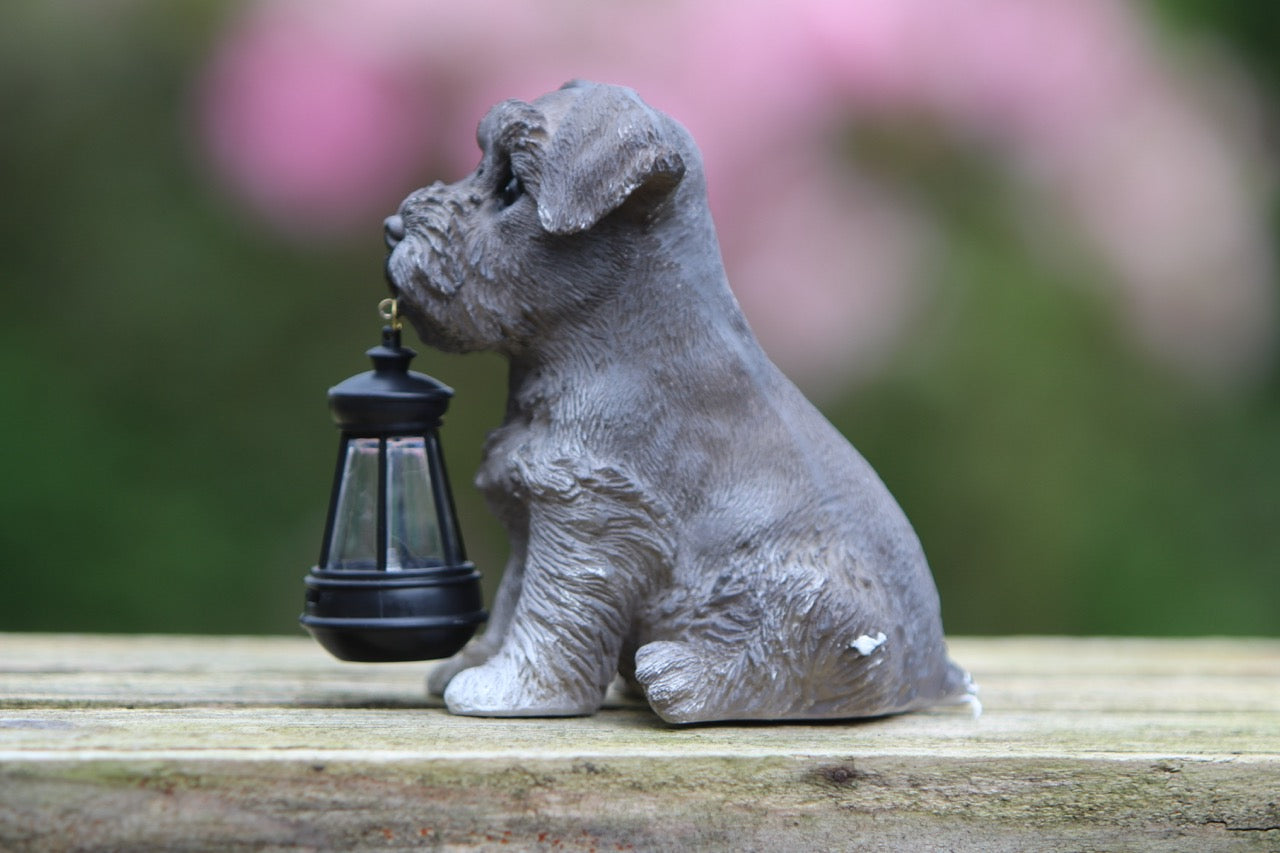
389, 310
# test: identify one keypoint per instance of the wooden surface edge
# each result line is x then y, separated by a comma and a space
198, 743
725, 803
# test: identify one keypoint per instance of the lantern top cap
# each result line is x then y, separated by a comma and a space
390, 399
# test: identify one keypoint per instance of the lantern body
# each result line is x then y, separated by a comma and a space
393, 582
385, 515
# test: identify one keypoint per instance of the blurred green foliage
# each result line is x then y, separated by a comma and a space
1250, 27
166, 447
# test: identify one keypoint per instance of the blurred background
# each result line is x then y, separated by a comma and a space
1022, 254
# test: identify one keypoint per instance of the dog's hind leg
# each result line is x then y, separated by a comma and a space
686, 682
675, 679
761, 647
690, 681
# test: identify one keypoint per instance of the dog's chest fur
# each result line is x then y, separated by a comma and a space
545, 446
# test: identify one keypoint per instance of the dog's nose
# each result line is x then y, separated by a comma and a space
393, 230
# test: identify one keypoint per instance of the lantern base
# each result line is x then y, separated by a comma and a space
377, 617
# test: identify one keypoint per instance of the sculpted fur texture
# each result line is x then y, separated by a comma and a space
678, 512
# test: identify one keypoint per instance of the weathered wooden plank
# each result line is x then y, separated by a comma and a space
199, 743
1025, 673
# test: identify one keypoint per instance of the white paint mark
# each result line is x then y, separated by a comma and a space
865, 644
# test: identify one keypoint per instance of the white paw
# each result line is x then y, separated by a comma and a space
475, 653
497, 689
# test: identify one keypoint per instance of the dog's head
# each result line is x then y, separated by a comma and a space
547, 224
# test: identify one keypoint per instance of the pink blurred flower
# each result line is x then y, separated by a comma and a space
314, 135
1074, 95
831, 272
1171, 203
322, 113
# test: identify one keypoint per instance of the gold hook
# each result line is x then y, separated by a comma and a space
389, 310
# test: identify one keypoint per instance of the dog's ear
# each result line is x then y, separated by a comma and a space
609, 147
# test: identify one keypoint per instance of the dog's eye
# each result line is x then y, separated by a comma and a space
512, 191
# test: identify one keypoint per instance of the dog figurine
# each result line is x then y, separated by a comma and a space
678, 512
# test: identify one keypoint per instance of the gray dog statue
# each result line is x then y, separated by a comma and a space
678, 512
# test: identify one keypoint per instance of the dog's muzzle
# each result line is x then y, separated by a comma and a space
393, 230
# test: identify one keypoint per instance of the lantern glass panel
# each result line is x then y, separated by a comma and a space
413, 535
353, 544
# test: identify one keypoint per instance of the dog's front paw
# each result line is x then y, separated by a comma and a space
500, 689
675, 681
475, 653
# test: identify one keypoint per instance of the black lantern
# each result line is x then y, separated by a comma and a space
393, 582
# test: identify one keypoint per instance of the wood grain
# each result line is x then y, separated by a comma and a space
111, 742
